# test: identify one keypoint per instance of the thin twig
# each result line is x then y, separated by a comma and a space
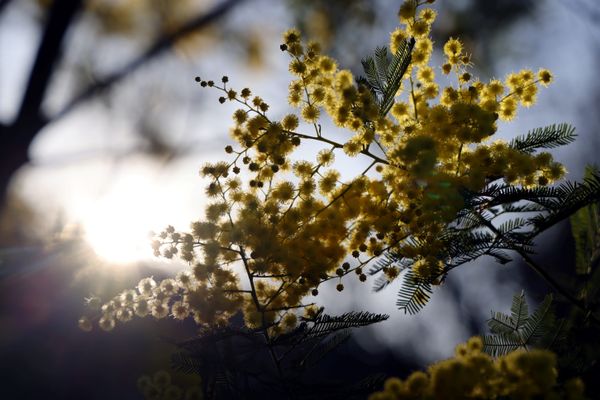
162, 44
541, 272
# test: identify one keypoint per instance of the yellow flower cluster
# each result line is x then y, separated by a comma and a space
208, 294
290, 225
472, 374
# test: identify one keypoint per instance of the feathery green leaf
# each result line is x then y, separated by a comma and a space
325, 324
501, 323
395, 73
519, 311
585, 228
501, 344
414, 294
538, 323
547, 137
383, 74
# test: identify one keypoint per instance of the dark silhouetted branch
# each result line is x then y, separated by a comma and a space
162, 44
16, 137
3, 4
60, 16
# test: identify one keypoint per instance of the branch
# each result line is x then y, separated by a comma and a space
559, 288
60, 16
15, 137
162, 44
3, 3
554, 284
337, 145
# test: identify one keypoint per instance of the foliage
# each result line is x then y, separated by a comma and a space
570, 338
521, 330
235, 361
384, 74
436, 193
581, 351
585, 225
547, 137
433, 167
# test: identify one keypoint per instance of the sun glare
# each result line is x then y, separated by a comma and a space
117, 232
118, 225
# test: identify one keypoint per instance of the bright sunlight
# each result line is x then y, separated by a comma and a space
117, 230
118, 225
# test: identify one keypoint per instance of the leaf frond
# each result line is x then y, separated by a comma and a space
519, 310
185, 363
547, 137
395, 73
538, 323
383, 74
501, 323
501, 344
572, 197
325, 324
414, 294
585, 228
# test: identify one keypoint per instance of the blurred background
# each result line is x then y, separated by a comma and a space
103, 130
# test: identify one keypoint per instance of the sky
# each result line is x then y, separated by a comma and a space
89, 168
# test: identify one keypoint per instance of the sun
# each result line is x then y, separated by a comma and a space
117, 228
118, 225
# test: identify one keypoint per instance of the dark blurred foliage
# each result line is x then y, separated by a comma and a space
347, 28
588, 13
481, 23
42, 352
312, 361
336, 24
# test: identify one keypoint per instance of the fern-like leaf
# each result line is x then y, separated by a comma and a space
513, 225
545, 196
538, 324
395, 73
520, 330
371, 80
571, 198
522, 208
185, 363
381, 282
501, 323
325, 324
386, 260
382, 62
414, 294
585, 228
519, 311
547, 137
501, 344
383, 74
466, 245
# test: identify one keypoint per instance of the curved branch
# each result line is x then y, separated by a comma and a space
162, 44
553, 283
3, 4
16, 136
60, 17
